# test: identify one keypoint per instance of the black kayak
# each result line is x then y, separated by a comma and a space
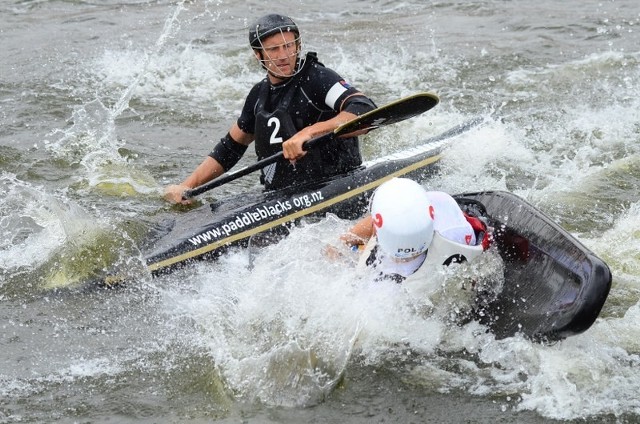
554, 287
206, 232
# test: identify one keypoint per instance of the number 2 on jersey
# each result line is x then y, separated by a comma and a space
274, 139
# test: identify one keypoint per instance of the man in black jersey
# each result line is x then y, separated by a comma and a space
299, 99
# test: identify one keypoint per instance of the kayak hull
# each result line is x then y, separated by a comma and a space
554, 287
208, 231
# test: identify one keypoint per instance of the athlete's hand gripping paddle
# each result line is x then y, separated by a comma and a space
388, 114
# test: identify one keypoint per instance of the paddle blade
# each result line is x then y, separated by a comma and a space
396, 111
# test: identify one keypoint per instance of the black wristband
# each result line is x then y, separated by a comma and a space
227, 152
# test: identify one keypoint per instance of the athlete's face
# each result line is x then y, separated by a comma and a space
279, 55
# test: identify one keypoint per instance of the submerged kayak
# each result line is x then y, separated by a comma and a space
554, 287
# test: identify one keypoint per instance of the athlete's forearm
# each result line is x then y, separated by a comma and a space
324, 127
360, 233
205, 172
226, 154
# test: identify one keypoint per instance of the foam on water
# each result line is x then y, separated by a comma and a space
284, 330
51, 241
186, 79
280, 332
29, 227
590, 374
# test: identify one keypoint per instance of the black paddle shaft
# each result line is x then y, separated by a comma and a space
396, 111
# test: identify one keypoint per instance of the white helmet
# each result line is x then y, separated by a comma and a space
403, 218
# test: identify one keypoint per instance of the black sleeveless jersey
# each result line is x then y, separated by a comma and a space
274, 113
